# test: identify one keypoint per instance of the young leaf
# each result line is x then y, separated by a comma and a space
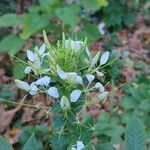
31, 144
134, 135
4, 144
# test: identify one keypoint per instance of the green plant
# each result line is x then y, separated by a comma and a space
69, 74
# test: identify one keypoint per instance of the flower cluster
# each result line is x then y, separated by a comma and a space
52, 77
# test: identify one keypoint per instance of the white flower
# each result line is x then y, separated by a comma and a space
101, 27
53, 92
70, 76
28, 69
74, 45
104, 58
36, 59
22, 85
78, 146
61, 73
30, 55
42, 49
32, 88
90, 77
74, 96
99, 86
44, 81
100, 74
103, 95
64, 102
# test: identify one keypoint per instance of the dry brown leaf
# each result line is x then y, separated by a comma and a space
27, 114
12, 135
6, 116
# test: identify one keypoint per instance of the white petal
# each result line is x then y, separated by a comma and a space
30, 55
37, 62
99, 86
100, 73
74, 96
104, 58
95, 59
33, 89
79, 80
53, 92
42, 49
78, 45
46, 70
61, 73
22, 85
90, 77
103, 95
43, 81
67, 43
64, 102
28, 69
80, 145
101, 27
74, 45
88, 52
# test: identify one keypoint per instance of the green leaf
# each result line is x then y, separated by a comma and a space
144, 106
57, 122
104, 147
8, 20
90, 31
11, 44
102, 3
4, 144
31, 144
134, 135
129, 103
18, 68
90, 5
33, 23
18, 71
59, 142
68, 15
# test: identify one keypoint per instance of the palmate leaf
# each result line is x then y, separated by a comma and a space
4, 144
134, 135
31, 143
